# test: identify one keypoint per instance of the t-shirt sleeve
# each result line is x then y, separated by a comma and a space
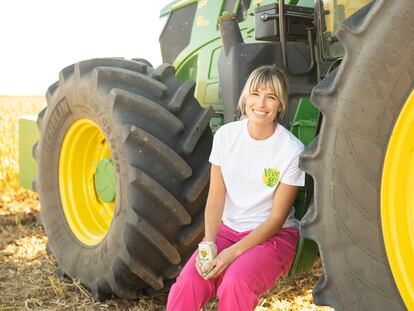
216, 150
293, 175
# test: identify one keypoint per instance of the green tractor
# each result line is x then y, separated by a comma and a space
123, 169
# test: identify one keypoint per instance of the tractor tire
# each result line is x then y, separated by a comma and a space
148, 127
360, 102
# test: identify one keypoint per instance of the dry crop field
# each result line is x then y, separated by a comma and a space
28, 276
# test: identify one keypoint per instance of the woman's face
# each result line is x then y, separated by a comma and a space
262, 106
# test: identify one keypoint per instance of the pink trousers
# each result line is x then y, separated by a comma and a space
239, 287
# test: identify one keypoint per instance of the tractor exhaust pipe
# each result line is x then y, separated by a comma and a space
230, 32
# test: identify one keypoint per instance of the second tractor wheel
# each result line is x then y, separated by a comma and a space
363, 165
123, 174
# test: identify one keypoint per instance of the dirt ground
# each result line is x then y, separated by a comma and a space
29, 280
28, 275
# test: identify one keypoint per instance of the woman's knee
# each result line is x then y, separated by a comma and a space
190, 292
240, 276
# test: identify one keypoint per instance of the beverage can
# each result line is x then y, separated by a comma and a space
207, 251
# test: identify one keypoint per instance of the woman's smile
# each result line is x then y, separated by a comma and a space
262, 106
258, 112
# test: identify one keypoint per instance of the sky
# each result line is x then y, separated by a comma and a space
41, 37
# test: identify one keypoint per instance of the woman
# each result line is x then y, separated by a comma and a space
249, 215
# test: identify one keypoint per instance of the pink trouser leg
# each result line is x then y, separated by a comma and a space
255, 271
246, 278
191, 291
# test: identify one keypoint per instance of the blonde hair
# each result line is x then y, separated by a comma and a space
265, 77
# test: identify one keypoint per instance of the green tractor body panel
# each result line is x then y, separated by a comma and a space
304, 126
28, 136
305, 121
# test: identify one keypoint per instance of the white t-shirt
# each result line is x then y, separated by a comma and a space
252, 170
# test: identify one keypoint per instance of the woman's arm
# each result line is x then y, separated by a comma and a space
282, 203
215, 204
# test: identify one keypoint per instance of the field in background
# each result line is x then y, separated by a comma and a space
28, 276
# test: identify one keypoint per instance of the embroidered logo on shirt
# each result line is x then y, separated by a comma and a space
271, 176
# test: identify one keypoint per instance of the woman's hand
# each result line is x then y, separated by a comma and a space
220, 263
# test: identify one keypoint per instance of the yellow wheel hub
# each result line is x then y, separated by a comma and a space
397, 202
87, 215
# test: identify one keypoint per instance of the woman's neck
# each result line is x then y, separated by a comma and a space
260, 132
